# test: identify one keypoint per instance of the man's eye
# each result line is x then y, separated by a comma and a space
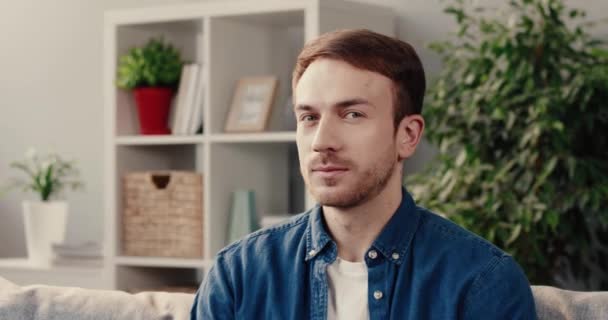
353, 115
307, 117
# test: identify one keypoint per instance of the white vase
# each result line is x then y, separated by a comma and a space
45, 224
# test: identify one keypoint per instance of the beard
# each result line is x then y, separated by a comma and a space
356, 188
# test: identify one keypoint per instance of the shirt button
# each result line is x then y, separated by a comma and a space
372, 254
378, 295
395, 256
312, 252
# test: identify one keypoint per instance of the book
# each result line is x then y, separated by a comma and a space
190, 99
86, 250
75, 262
180, 99
196, 118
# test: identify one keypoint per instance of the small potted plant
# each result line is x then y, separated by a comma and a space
152, 72
45, 220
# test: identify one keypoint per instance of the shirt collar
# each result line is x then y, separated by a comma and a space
396, 237
393, 242
316, 233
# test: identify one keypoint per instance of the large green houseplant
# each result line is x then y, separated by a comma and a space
520, 116
152, 72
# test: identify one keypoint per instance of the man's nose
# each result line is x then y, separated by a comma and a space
326, 137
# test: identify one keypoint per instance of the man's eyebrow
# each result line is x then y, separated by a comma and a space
340, 105
303, 107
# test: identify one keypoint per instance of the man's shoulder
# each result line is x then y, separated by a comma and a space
446, 234
282, 236
466, 258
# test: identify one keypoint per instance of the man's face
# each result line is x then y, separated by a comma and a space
345, 132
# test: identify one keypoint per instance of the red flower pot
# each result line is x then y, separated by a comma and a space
153, 105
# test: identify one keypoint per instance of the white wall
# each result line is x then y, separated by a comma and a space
51, 92
51, 98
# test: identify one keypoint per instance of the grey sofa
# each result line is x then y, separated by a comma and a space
65, 303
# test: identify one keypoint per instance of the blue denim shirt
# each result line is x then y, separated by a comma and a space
421, 266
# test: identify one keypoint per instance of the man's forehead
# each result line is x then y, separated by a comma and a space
325, 68
329, 81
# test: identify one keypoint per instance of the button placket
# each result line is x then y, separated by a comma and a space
378, 294
395, 256
372, 254
312, 252
380, 273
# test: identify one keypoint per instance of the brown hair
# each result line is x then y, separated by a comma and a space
374, 52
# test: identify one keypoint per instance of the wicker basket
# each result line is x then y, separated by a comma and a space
163, 214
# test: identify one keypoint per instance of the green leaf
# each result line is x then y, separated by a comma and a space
462, 156
514, 234
552, 219
547, 170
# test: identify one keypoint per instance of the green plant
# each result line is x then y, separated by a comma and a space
47, 175
156, 64
520, 116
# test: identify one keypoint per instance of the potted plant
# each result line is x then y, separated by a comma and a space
519, 115
45, 220
152, 72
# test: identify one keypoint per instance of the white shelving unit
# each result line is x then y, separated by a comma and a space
231, 39
24, 272
162, 262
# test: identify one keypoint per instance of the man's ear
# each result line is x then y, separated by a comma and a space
408, 135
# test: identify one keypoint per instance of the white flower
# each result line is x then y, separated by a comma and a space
46, 164
31, 153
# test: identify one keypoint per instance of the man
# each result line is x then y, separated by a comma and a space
366, 251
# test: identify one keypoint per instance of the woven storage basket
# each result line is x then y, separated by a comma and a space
163, 214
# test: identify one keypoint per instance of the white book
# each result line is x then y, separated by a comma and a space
79, 250
196, 118
191, 90
180, 99
69, 262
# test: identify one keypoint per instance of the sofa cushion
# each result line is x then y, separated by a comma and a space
557, 304
66, 303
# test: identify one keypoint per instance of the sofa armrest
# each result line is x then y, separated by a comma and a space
557, 304
61, 303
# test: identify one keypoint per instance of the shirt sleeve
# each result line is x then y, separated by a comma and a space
215, 297
500, 291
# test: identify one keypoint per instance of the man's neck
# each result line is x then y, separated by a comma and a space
355, 229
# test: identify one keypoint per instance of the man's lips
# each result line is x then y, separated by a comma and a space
329, 168
329, 171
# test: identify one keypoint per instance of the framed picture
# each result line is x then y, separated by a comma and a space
251, 104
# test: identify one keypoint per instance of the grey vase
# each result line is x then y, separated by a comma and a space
243, 217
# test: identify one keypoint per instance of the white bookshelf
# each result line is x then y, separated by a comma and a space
267, 137
137, 140
230, 39
24, 272
162, 262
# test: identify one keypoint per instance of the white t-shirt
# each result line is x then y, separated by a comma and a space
347, 291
